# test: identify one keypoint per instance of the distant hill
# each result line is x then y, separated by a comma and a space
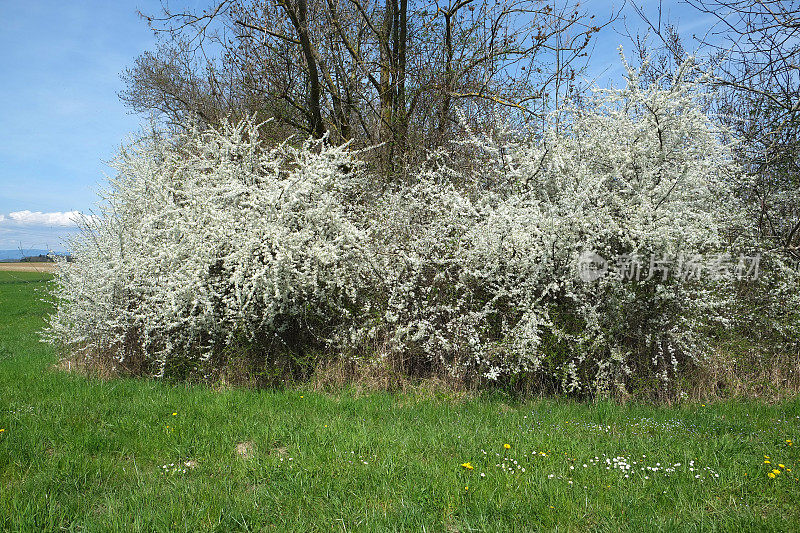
16, 255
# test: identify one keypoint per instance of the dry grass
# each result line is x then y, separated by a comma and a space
748, 374
29, 267
738, 370
105, 370
246, 450
745, 376
364, 376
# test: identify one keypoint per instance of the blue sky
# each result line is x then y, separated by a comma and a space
605, 65
60, 118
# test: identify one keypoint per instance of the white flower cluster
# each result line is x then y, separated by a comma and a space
487, 285
214, 238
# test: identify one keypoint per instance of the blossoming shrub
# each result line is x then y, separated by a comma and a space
212, 244
212, 240
488, 287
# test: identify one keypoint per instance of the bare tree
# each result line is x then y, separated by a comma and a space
757, 68
752, 54
388, 72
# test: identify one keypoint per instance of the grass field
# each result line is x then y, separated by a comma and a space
83, 454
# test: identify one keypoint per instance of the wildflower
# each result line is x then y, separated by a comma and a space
507, 446
174, 414
771, 475
466, 488
776, 471
767, 463
483, 475
766, 457
467, 466
301, 396
2, 430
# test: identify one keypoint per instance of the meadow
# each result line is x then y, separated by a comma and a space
80, 453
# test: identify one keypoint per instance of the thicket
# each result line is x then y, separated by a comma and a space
217, 253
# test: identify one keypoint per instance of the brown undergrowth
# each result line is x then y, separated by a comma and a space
732, 372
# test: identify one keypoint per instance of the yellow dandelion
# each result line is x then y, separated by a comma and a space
781, 466
466, 488
174, 414
788, 469
767, 463
507, 446
776, 471
771, 475
301, 396
468, 466
766, 457
2, 430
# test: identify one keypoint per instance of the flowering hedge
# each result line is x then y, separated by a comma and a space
212, 239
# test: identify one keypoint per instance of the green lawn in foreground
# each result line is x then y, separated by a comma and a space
80, 454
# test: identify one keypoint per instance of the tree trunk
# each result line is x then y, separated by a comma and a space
299, 19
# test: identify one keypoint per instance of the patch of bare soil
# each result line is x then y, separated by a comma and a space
246, 450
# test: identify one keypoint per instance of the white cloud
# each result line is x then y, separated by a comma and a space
37, 218
35, 229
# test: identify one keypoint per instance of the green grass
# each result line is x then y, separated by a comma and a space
84, 454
